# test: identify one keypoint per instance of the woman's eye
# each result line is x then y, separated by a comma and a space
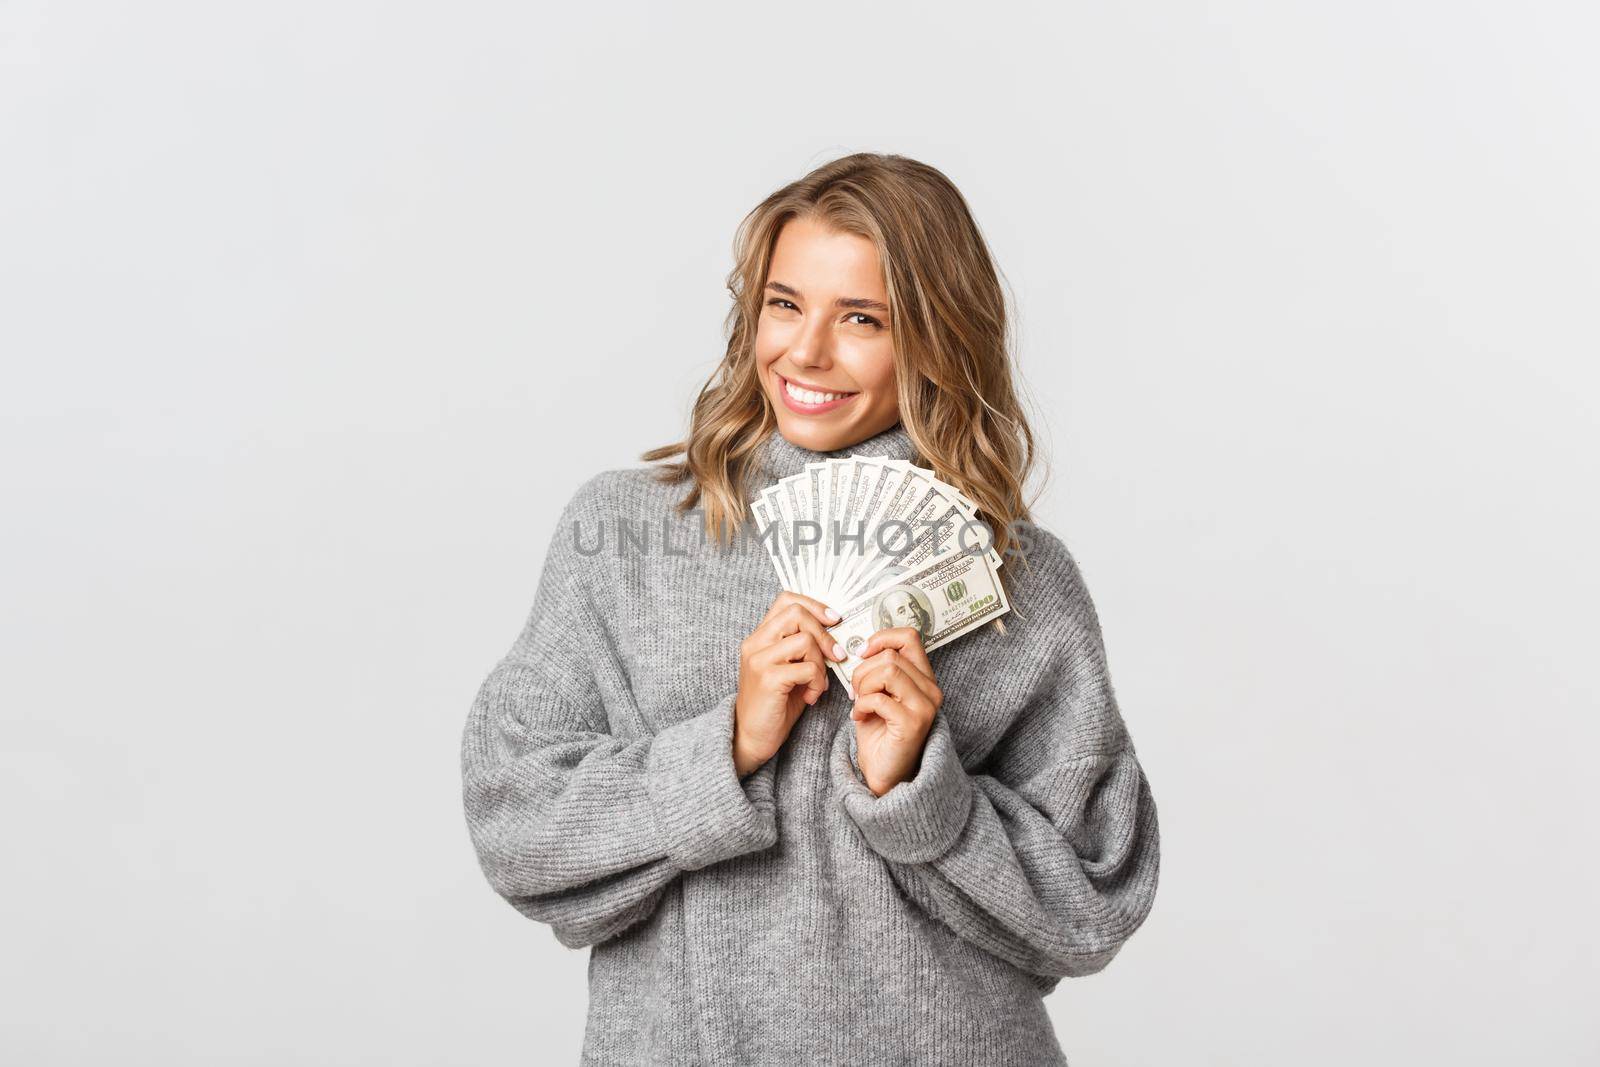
866, 320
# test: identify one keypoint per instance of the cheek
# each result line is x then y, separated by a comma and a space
874, 372
766, 343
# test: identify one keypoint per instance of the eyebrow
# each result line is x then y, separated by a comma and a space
843, 301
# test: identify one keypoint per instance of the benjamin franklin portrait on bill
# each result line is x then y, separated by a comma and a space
904, 605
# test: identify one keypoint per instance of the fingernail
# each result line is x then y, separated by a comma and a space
838, 650
831, 615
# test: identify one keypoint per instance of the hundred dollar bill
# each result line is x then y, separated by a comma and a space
768, 533
898, 502
834, 487
795, 500
881, 479
965, 504
949, 595
931, 531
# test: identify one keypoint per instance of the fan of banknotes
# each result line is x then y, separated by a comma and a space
884, 543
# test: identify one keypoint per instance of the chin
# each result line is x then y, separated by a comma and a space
813, 436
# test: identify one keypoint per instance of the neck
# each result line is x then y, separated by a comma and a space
778, 457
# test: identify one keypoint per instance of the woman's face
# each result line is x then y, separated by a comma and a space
823, 347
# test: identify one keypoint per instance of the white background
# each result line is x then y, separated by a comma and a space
313, 315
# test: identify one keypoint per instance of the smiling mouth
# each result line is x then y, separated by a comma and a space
807, 400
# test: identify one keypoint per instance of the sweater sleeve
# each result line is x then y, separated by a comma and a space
573, 826
1046, 855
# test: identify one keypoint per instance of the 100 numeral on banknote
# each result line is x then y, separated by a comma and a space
948, 596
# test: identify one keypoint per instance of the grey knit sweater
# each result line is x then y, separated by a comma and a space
792, 917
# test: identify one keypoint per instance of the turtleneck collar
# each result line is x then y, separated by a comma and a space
778, 458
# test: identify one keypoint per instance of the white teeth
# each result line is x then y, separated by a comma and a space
809, 396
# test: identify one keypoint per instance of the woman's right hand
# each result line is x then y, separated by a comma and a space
782, 670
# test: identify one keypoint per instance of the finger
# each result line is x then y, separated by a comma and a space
809, 673
800, 648
797, 619
880, 704
816, 607
900, 685
896, 714
797, 646
903, 644
778, 624
893, 670
905, 639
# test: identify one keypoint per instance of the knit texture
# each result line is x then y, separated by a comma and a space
792, 916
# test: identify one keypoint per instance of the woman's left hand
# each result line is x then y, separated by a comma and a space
896, 698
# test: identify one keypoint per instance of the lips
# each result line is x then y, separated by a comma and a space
807, 400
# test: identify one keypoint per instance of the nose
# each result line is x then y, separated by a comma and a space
813, 346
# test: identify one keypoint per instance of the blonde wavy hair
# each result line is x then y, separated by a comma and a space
959, 401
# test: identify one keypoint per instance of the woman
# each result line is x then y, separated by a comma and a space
766, 871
